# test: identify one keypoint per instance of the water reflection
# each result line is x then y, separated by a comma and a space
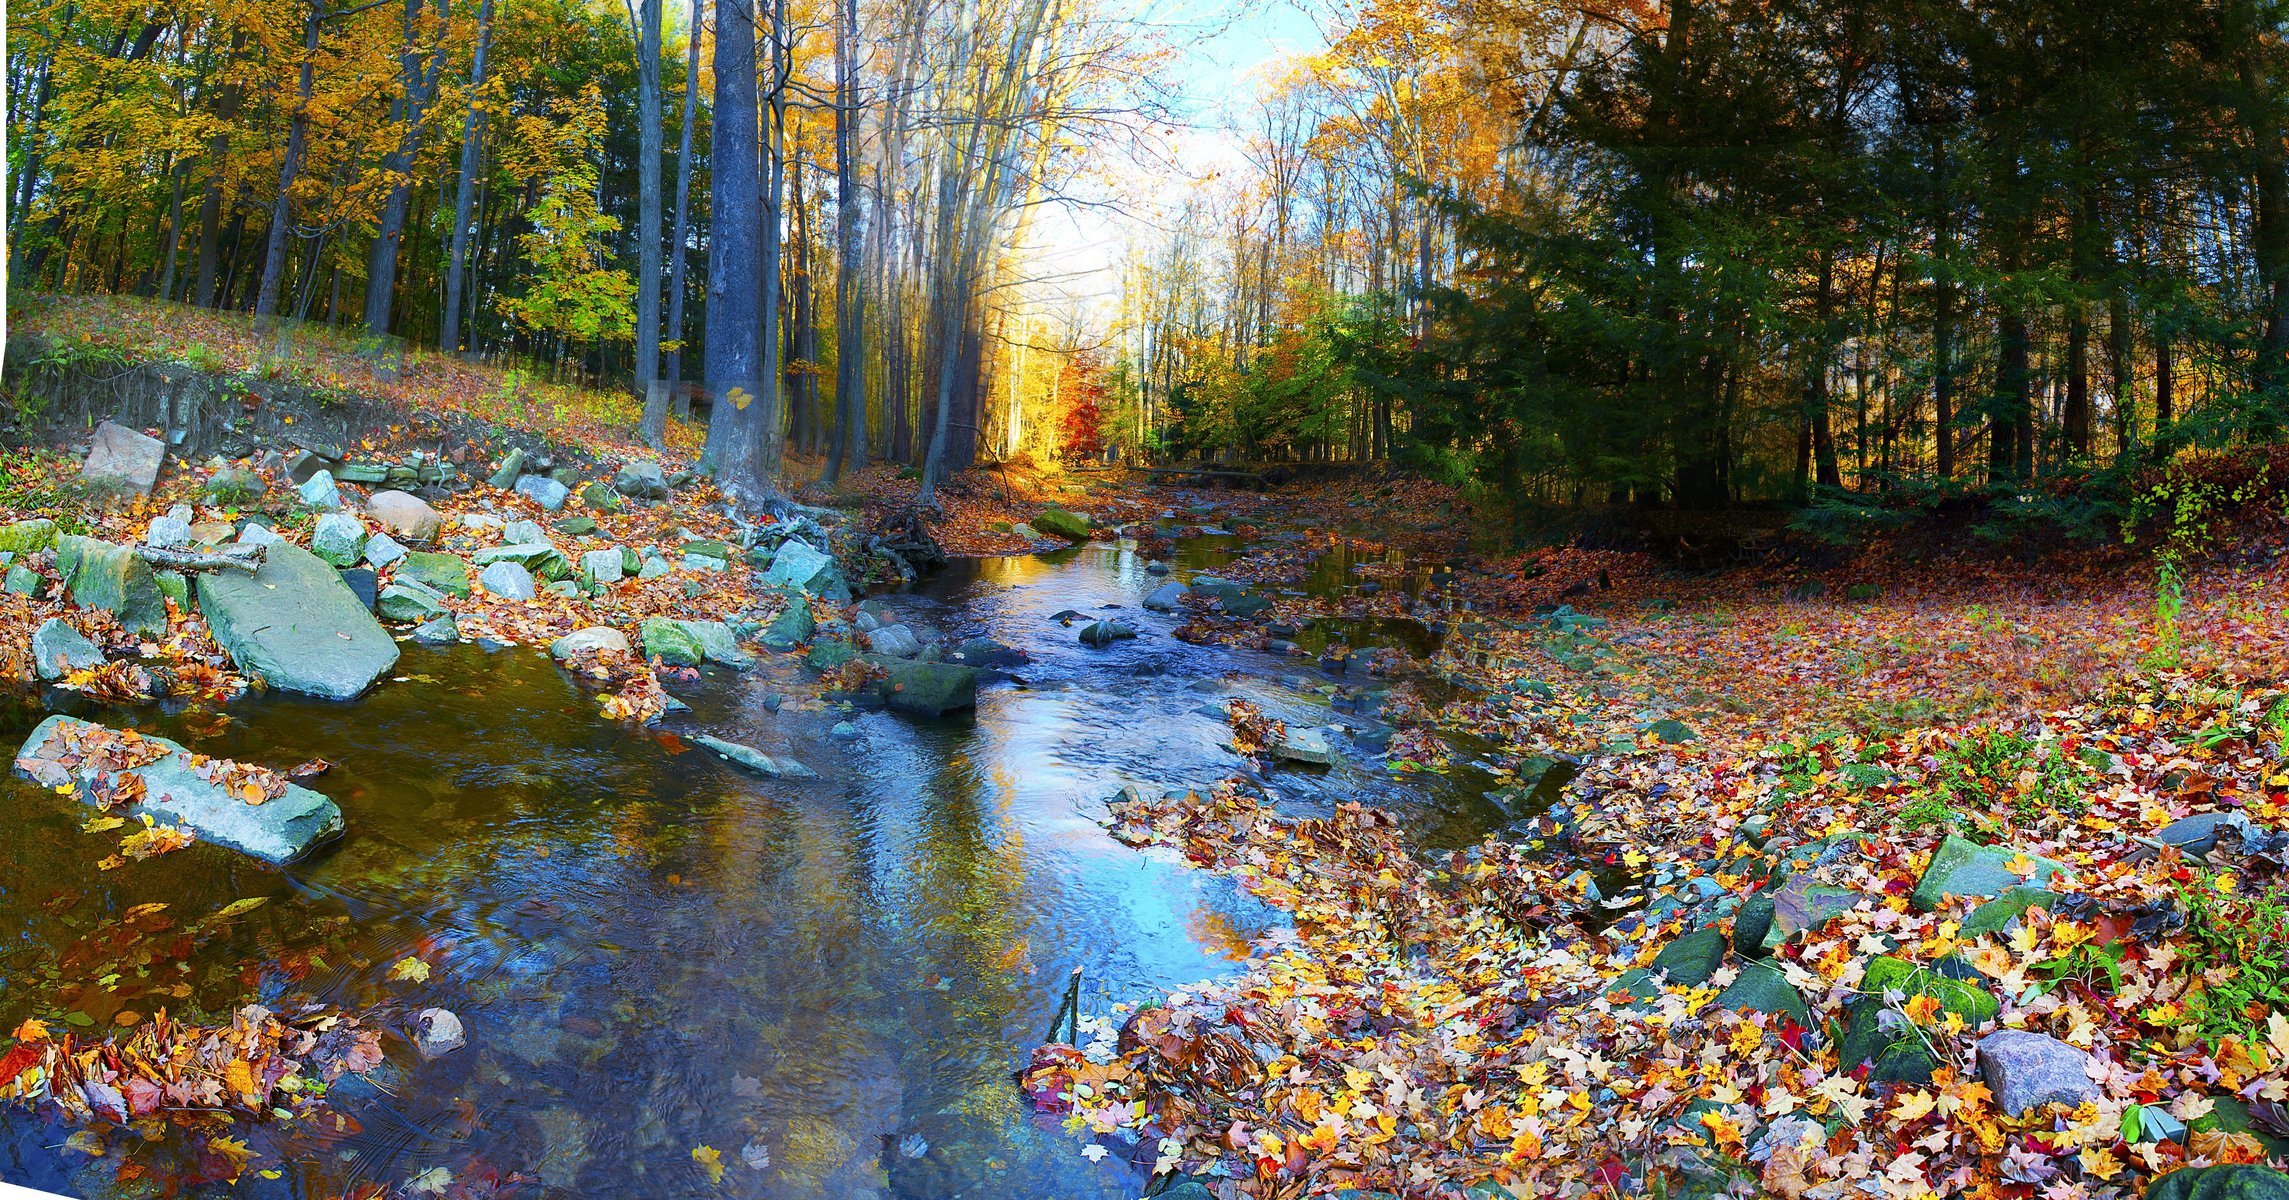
826, 982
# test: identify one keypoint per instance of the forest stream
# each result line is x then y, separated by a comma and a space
825, 984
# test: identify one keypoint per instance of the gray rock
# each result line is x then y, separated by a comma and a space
408, 517
101, 575
339, 538
1156, 567
411, 601
755, 760
1167, 597
296, 624
601, 566
58, 649
797, 565
791, 628
928, 689
542, 490
170, 532
508, 579
21, 581
382, 550
258, 534
319, 491
120, 457
279, 830
511, 467
1101, 634
718, 644
2198, 834
2025, 1069
595, 637
437, 631
363, 581
302, 464
540, 558
1964, 868
437, 1032
641, 481
897, 641
1304, 746
234, 487
522, 532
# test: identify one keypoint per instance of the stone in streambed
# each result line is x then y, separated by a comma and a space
437, 1032
521, 532
1168, 597
440, 571
2025, 1069
101, 575
1101, 634
896, 641
668, 640
437, 631
382, 550
406, 516
279, 830
1692, 959
927, 689
595, 637
364, 584
797, 565
602, 566
1304, 745
171, 531
791, 628
297, 625
755, 760
508, 579
541, 558
718, 644
1761, 987
828, 653
408, 600
58, 649
339, 538
2232, 1181
641, 481
1062, 524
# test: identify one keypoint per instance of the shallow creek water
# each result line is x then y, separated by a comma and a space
652, 951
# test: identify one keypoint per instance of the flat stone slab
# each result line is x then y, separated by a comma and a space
755, 760
124, 455
279, 830
297, 625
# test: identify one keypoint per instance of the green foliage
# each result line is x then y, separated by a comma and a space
2168, 651
2248, 935
568, 290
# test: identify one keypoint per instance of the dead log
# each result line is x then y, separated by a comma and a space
237, 558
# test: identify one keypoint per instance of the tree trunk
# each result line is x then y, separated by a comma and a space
655, 429
211, 205
849, 448
465, 195
651, 15
282, 213
733, 363
381, 264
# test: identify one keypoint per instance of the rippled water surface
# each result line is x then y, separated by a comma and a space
652, 951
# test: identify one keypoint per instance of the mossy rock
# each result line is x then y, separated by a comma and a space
830, 653
601, 497
668, 640
791, 628
1060, 523
2230, 1114
234, 486
1961, 867
2234, 1181
442, 572
1692, 959
1902, 1057
1997, 914
1762, 988
25, 537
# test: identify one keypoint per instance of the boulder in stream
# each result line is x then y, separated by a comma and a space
297, 625
1101, 634
437, 1032
595, 637
755, 760
279, 830
441, 571
58, 649
407, 516
320, 492
102, 575
1168, 597
1056, 521
928, 689
897, 641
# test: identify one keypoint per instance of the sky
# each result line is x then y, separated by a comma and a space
1223, 47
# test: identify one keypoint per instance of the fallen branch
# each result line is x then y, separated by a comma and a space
237, 558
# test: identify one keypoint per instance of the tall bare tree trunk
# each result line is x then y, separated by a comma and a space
655, 430
849, 448
465, 196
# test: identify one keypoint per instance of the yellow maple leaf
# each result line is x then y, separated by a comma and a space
32, 1030
1912, 1106
710, 1160
411, 968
